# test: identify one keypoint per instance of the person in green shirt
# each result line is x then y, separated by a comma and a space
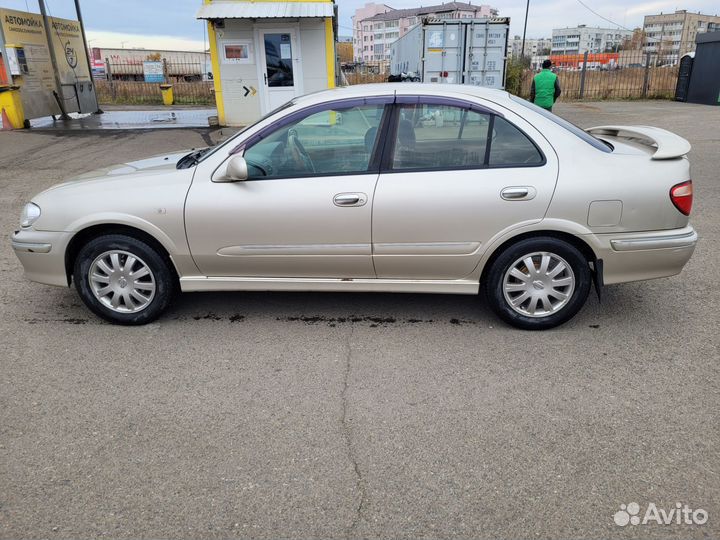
545, 87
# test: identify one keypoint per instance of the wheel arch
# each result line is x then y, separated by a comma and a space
578, 243
91, 232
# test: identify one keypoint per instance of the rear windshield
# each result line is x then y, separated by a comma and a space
572, 128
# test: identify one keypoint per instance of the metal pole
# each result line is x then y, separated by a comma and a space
522, 49
58, 83
98, 110
582, 75
109, 75
647, 75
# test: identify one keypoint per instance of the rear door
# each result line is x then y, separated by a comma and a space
454, 175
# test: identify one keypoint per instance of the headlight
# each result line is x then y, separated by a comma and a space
29, 215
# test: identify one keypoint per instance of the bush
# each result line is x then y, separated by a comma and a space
516, 70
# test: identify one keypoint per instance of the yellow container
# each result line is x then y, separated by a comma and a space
12, 106
167, 94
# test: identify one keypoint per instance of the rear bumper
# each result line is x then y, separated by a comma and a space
42, 255
646, 255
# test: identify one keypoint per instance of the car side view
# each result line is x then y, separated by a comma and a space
389, 187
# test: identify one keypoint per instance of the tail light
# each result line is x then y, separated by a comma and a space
681, 196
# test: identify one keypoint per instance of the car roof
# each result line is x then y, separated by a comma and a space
388, 89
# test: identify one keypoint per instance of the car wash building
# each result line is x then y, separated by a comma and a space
265, 53
43, 63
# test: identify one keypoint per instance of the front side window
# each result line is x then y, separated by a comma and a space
432, 136
333, 141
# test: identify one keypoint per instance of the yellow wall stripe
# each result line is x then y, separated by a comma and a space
217, 84
330, 51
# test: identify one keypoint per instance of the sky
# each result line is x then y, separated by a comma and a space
171, 24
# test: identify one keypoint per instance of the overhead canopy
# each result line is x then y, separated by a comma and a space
264, 10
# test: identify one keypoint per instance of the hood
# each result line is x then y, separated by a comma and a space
158, 162
161, 163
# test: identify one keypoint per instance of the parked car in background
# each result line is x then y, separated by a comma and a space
420, 188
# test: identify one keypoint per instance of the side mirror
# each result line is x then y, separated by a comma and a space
236, 170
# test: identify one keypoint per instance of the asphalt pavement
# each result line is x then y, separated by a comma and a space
297, 415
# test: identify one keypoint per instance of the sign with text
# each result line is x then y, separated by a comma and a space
153, 71
28, 35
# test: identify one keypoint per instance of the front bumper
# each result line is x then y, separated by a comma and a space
42, 255
644, 255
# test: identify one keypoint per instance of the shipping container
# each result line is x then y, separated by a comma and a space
459, 51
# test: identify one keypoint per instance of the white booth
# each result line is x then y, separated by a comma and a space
265, 53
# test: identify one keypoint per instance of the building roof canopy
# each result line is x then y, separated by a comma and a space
414, 12
264, 10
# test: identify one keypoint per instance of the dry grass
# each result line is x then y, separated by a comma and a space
366, 78
624, 83
132, 92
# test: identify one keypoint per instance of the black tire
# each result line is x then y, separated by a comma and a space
545, 318
161, 274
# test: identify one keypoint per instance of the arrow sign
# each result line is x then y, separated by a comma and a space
252, 89
247, 91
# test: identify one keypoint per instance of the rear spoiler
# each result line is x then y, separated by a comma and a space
668, 144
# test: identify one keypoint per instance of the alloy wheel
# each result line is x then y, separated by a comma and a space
538, 284
123, 282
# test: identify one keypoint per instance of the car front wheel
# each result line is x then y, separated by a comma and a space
538, 283
123, 280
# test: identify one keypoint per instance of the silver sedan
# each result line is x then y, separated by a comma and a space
402, 188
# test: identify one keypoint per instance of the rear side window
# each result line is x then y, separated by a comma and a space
572, 128
511, 147
440, 136
433, 136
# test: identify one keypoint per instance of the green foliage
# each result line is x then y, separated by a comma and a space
515, 69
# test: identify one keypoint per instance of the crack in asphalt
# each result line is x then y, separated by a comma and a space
359, 480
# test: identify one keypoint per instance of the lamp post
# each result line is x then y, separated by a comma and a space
522, 49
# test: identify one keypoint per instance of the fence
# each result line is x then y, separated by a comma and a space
624, 75
124, 83
371, 72
620, 75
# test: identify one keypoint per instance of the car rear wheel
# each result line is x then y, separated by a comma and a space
538, 283
123, 280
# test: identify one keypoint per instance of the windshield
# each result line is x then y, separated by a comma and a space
572, 128
210, 151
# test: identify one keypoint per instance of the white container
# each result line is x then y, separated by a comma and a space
456, 51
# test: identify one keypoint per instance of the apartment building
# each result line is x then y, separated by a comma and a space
673, 34
377, 26
582, 38
533, 47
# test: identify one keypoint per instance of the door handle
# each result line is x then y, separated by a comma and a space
350, 199
518, 193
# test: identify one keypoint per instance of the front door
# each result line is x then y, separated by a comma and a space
455, 176
279, 65
305, 210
